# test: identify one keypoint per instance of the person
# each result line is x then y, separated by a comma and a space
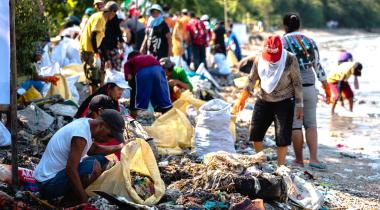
177, 79
64, 169
344, 56
148, 82
338, 83
111, 43
233, 43
157, 41
90, 41
87, 14
219, 62
137, 28
113, 88
198, 37
99, 5
219, 33
178, 39
35, 79
307, 54
279, 98
185, 19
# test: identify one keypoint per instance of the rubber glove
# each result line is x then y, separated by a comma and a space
328, 93
52, 79
241, 102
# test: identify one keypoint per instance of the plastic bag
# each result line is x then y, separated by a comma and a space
35, 118
5, 136
300, 191
171, 132
74, 69
231, 57
31, 94
212, 132
136, 156
25, 177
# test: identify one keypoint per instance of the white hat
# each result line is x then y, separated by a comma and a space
156, 7
113, 76
205, 17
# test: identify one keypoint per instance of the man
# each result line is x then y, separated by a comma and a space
338, 83
177, 79
148, 81
307, 54
99, 5
90, 41
198, 36
185, 19
64, 170
219, 33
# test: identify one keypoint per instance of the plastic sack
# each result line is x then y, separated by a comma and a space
212, 132
25, 177
171, 132
5, 136
74, 69
35, 119
231, 57
61, 88
187, 98
31, 94
73, 89
136, 156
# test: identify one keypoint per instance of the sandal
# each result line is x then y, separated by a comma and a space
321, 166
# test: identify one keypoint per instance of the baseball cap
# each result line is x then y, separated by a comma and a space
101, 102
115, 122
89, 11
166, 63
116, 77
272, 49
99, 1
111, 6
184, 10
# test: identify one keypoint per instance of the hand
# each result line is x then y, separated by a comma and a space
328, 93
240, 104
129, 77
52, 79
299, 113
172, 82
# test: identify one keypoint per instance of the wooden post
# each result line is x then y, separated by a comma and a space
13, 107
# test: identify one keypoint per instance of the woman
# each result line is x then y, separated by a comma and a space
148, 82
114, 89
280, 90
157, 41
306, 51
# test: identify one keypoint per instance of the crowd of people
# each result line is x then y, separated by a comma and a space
141, 53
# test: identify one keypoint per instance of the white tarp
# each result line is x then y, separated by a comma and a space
4, 54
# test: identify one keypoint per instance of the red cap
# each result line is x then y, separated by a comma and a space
272, 49
134, 12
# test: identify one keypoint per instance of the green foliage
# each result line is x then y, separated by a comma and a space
31, 30
314, 13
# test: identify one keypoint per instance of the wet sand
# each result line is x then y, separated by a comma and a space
348, 142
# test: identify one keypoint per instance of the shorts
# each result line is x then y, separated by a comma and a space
93, 75
113, 56
60, 184
151, 85
281, 113
310, 100
346, 91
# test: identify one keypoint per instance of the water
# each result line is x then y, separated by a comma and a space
360, 129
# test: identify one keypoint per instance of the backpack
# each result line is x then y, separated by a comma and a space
302, 47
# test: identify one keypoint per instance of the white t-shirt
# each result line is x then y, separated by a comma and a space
221, 63
57, 151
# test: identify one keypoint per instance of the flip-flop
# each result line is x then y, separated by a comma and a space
322, 166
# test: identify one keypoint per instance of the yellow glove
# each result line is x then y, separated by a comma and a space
241, 102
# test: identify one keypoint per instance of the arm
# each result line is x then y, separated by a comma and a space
169, 38
104, 150
295, 76
175, 82
356, 82
77, 146
321, 74
93, 41
143, 45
